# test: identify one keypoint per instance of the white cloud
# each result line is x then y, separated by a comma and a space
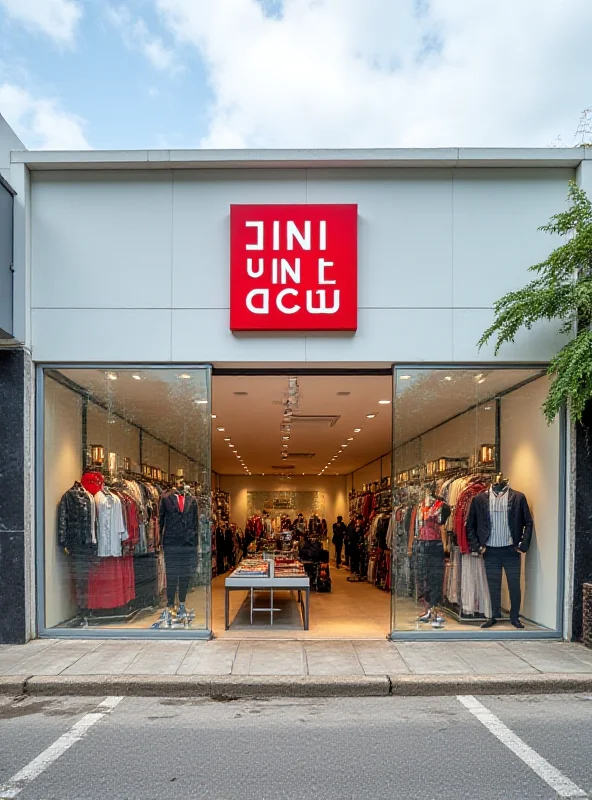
40, 122
137, 36
331, 73
56, 18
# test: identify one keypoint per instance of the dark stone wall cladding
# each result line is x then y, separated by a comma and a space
12, 496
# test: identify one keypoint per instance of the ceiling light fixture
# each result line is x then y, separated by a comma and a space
111, 376
227, 439
370, 416
447, 377
344, 445
481, 381
350, 439
383, 402
404, 377
477, 377
286, 438
214, 416
201, 402
221, 429
137, 377
487, 408
185, 376
357, 430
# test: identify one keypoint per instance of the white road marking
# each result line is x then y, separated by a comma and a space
552, 777
78, 731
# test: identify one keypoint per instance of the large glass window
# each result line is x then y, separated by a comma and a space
127, 499
476, 528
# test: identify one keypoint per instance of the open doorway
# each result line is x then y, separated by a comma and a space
292, 456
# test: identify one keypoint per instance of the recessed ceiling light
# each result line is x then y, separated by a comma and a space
344, 445
227, 439
350, 439
286, 438
357, 430
284, 445
383, 402
137, 377
221, 429
320, 473
201, 402
480, 375
111, 376
235, 451
481, 381
214, 416
185, 376
404, 377
487, 408
341, 451
370, 416
230, 444
447, 377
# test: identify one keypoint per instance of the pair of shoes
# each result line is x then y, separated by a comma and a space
182, 612
489, 623
426, 617
517, 624
165, 620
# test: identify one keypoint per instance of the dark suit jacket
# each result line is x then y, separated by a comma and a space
519, 519
176, 528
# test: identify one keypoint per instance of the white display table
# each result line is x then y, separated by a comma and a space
252, 584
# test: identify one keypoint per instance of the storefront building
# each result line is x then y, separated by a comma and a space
122, 300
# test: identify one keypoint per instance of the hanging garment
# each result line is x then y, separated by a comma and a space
111, 531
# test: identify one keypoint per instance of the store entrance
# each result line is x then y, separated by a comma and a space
293, 458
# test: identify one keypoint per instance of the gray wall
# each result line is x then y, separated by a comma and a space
6, 243
133, 265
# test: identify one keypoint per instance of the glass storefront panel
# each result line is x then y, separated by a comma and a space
126, 457
476, 492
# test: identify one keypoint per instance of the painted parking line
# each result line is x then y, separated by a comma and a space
78, 731
559, 782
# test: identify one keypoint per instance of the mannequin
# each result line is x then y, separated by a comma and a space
499, 527
433, 515
315, 525
178, 529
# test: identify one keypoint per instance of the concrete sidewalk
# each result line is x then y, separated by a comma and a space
282, 667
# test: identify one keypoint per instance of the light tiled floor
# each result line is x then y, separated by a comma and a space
267, 657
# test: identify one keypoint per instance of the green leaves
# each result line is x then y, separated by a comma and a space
561, 291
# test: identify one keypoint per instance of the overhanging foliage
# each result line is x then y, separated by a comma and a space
562, 290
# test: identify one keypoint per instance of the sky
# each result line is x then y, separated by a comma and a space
127, 74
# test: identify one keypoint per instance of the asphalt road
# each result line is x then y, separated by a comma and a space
334, 749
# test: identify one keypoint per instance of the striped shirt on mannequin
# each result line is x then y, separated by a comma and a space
501, 535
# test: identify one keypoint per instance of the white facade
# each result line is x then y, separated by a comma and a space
125, 256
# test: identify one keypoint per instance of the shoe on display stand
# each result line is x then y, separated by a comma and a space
426, 617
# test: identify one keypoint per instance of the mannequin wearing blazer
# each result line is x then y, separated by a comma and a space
178, 530
501, 541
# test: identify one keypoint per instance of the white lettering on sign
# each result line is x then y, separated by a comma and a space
264, 308
259, 244
322, 307
280, 301
322, 266
292, 235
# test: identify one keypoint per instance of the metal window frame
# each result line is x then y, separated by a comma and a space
98, 633
492, 634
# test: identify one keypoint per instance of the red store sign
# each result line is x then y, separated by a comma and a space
293, 267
